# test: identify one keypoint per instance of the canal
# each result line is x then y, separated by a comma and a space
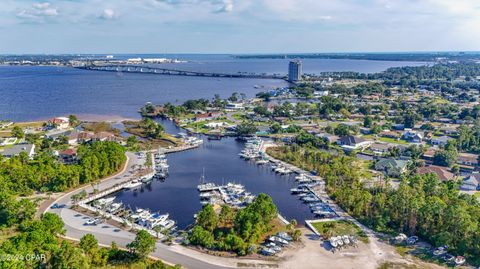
178, 194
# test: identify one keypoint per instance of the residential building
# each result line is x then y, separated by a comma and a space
15, 150
471, 182
440, 141
59, 123
467, 159
391, 167
380, 148
442, 173
295, 71
350, 142
412, 136
68, 156
206, 116
234, 106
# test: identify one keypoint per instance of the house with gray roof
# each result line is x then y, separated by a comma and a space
15, 150
471, 182
391, 167
440, 141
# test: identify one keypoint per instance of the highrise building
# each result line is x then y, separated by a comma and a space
295, 71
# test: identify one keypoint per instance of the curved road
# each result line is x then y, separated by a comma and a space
106, 234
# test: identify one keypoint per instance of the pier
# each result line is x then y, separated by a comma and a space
143, 69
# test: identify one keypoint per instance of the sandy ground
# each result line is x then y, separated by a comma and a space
314, 253
107, 118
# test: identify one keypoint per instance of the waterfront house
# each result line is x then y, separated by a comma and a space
471, 182
59, 123
84, 137
440, 141
72, 137
103, 136
15, 150
206, 116
442, 173
350, 142
391, 167
234, 106
213, 125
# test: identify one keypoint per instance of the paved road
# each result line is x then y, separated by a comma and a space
106, 234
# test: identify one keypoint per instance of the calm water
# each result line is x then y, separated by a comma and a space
178, 194
32, 93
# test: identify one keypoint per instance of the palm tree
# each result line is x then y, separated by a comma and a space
158, 229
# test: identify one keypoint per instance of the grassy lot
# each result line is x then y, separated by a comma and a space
238, 116
477, 194
33, 124
7, 233
342, 227
392, 140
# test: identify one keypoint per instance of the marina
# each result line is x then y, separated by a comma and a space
179, 195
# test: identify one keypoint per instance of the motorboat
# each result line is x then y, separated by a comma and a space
133, 185
459, 260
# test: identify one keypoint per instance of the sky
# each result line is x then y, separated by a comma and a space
238, 26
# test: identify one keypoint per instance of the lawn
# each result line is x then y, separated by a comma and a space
477, 194
393, 140
238, 116
341, 227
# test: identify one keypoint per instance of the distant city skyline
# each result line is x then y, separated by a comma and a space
238, 26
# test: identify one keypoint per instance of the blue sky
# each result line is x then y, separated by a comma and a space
238, 26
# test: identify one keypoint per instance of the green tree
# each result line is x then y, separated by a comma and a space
18, 132
226, 216
445, 157
143, 244
246, 128
207, 218
367, 122
89, 244
73, 120
68, 257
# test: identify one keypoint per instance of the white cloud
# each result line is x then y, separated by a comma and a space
38, 12
215, 6
108, 14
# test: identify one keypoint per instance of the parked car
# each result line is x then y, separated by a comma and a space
412, 240
55, 206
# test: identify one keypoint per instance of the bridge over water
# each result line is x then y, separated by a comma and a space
174, 72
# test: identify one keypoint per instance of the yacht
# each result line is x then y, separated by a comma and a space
207, 187
114, 207
133, 185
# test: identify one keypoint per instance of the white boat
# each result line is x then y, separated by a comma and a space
146, 179
262, 162
459, 260
133, 185
169, 224
114, 207
346, 240
333, 241
207, 187
105, 201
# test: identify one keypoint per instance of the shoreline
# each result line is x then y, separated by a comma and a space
83, 118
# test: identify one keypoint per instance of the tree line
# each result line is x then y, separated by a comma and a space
234, 230
422, 205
